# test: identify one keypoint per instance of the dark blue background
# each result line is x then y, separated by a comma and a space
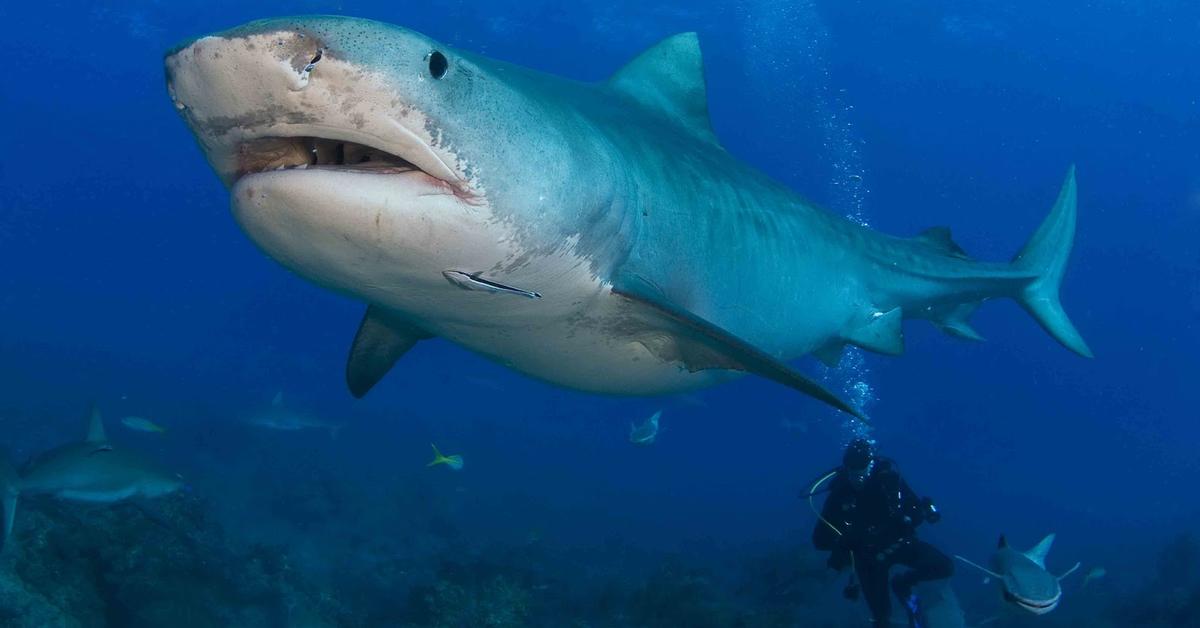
125, 280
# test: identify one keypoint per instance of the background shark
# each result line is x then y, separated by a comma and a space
593, 235
91, 470
1023, 577
279, 417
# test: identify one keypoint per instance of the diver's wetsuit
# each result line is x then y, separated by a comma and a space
878, 523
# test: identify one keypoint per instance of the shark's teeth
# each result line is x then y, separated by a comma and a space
291, 153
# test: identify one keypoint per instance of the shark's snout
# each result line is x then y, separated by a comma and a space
281, 58
278, 94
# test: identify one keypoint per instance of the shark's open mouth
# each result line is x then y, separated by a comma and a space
1037, 607
269, 154
283, 153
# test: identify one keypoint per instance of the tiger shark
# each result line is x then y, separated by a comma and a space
1024, 580
92, 470
591, 234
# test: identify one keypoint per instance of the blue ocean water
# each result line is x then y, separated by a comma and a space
127, 283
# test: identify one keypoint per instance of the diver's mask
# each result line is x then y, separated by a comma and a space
858, 461
858, 477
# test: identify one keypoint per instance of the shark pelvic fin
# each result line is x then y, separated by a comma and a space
380, 341
95, 433
1038, 552
676, 335
955, 321
883, 333
668, 78
830, 354
1046, 255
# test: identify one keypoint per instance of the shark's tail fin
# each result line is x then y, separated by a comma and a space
1046, 255
438, 458
9, 492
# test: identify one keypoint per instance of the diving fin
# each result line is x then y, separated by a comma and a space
700, 345
381, 340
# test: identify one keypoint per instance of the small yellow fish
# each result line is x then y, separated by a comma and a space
454, 462
140, 424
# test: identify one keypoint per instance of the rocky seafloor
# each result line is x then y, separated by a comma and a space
169, 563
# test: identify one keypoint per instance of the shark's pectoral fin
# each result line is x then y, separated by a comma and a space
380, 341
1070, 571
830, 354
883, 333
677, 335
981, 567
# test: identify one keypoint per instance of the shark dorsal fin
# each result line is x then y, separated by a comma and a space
940, 238
278, 399
1038, 553
95, 433
668, 78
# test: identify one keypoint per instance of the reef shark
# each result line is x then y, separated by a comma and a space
91, 470
594, 235
281, 418
1024, 580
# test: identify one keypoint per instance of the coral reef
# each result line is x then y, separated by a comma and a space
168, 563
474, 593
1172, 597
164, 564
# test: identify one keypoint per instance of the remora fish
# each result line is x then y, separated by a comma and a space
1023, 577
595, 235
92, 470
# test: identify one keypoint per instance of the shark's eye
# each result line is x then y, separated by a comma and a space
438, 64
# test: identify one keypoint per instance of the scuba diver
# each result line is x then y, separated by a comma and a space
869, 523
